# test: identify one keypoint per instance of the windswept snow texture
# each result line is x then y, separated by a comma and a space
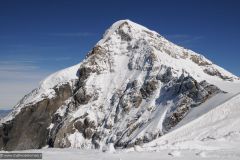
133, 87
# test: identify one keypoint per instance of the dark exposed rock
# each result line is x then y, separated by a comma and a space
148, 88
214, 72
199, 60
56, 118
79, 125
187, 93
132, 84
114, 98
211, 89
28, 130
96, 139
82, 97
61, 140
97, 50
178, 114
130, 98
124, 36
166, 76
83, 73
89, 123
88, 133
130, 66
137, 100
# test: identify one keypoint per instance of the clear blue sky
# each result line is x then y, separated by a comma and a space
38, 37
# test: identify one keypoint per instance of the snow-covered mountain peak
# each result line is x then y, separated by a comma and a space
126, 26
133, 86
130, 48
125, 37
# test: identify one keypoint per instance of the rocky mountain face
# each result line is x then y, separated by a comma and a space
133, 86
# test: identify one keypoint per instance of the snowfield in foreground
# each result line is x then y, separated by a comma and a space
76, 154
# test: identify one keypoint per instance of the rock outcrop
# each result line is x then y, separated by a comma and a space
29, 128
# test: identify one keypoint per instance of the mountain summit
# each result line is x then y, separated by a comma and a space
132, 87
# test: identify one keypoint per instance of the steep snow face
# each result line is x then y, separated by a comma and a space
132, 87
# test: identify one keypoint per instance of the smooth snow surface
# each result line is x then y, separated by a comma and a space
166, 154
60, 77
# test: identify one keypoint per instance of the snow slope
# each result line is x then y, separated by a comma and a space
131, 154
217, 129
